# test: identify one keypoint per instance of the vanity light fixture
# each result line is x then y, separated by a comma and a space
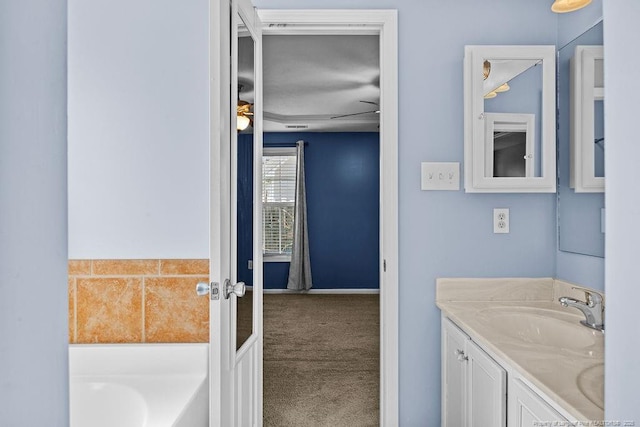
503, 88
563, 6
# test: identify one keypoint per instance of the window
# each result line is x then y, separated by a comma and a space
278, 200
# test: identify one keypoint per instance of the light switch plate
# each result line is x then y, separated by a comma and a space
440, 176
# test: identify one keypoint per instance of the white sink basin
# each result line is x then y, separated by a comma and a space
591, 384
544, 327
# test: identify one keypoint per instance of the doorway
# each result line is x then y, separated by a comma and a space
383, 25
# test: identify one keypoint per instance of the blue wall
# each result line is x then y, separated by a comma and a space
342, 182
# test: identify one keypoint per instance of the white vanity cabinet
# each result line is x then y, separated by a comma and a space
473, 384
528, 409
475, 392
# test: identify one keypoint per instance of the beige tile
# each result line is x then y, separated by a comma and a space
177, 267
173, 311
125, 267
79, 267
72, 309
109, 310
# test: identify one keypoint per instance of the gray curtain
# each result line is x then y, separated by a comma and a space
300, 267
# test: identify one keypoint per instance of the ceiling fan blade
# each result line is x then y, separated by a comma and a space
370, 102
355, 114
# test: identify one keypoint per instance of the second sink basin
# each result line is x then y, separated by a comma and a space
543, 327
591, 384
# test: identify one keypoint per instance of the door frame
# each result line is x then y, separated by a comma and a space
384, 24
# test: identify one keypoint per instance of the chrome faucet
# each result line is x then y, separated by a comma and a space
592, 309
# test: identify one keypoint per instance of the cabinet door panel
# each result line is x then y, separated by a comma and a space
486, 383
527, 409
453, 375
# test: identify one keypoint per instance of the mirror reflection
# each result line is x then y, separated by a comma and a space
509, 145
598, 141
598, 118
244, 192
512, 101
580, 215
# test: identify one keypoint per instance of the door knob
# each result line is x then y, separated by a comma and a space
238, 289
204, 288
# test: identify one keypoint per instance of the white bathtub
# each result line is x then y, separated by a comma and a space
139, 385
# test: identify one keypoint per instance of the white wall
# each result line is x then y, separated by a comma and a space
33, 214
138, 129
622, 346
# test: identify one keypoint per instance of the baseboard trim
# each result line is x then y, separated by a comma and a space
322, 291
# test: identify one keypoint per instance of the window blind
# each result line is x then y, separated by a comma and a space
278, 200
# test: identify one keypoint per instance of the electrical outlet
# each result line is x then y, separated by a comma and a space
501, 220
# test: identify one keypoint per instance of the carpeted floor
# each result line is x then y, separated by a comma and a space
321, 360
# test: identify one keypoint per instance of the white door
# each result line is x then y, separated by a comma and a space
235, 365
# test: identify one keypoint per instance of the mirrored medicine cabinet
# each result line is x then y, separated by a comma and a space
509, 119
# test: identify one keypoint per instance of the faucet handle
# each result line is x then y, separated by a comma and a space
591, 298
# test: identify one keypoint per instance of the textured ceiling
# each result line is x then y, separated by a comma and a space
309, 79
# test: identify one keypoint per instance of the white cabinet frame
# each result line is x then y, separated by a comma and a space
584, 93
475, 177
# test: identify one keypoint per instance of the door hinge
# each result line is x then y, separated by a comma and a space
384, 265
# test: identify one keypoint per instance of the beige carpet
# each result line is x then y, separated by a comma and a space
321, 360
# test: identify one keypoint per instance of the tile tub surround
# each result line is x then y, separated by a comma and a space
552, 370
137, 301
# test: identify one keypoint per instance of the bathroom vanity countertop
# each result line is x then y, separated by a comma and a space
549, 365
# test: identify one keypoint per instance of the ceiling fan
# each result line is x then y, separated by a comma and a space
377, 111
243, 112
245, 115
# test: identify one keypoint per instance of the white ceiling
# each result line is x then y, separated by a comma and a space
309, 79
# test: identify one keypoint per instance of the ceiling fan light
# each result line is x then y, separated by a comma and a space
503, 88
563, 6
242, 122
490, 95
